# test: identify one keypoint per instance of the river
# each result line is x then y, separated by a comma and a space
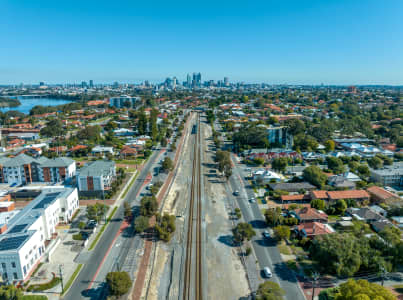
27, 104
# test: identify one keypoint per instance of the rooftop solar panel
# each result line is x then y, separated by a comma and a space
46, 200
18, 228
12, 242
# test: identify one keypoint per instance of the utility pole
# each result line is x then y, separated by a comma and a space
61, 276
315, 276
383, 272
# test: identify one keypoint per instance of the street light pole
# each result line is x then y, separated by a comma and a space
315, 278
61, 276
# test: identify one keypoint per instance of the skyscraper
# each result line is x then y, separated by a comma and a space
188, 81
198, 79
226, 81
91, 83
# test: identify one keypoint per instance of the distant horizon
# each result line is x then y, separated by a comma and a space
275, 42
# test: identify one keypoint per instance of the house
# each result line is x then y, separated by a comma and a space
26, 136
101, 150
357, 195
364, 214
309, 214
266, 176
379, 210
389, 175
340, 182
297, 199
292, 187
128, 152
398, 221
96, 176
123, 132
312, 229
380, 195
15, 143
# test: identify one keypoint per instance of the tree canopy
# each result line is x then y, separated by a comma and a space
269, 290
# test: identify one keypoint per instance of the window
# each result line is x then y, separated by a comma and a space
15, 275
5, 275
3, 265
13, 264
25, 270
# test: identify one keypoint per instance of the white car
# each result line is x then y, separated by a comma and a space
252, 200
267, 272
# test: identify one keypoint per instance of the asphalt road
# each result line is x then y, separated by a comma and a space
266, 250
79, 289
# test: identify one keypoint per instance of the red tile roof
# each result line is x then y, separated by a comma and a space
299, 197
381, 193
308, 213
349, 194
319, 194
315, 228
78, 147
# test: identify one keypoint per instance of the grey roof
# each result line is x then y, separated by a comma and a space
57, 162
18, 161
97, 168
18, 232
395, 169
365, 213
292, 186
24, 159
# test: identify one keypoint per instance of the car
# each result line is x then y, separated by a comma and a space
267, 272
266, 234
149, 186
252, 200
236, 193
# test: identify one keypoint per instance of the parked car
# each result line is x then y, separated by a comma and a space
236, 193
267, 272
252, 200
266, 234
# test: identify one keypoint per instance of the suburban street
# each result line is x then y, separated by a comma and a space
83, 288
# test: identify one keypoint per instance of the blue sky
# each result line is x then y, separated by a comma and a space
295, 42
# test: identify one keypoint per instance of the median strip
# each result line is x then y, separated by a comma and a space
95, 241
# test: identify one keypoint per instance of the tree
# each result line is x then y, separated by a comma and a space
363, 170
375, 162
10, 292
81, 225
141, 224
167, 164
53, 128
96, 211
90, 133
363, 290
164, 142
238, 213
335, 164
282, 232
148, 206
243, 231
314, 175
119, 283
340, 206
269, 290
165, 227
259, 161
273, 216
142, 122
128, 210
318, 204
279, 164
391, 235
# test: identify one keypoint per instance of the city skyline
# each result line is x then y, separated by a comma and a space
340, 43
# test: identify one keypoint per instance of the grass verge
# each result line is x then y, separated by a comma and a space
284, 249
72, 278
108, 219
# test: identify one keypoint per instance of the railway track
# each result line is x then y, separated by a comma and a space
192, 288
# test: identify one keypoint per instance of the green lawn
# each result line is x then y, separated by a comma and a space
128, 161
284, 249
333, 218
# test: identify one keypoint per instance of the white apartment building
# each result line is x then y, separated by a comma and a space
22, 244
124, 101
